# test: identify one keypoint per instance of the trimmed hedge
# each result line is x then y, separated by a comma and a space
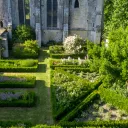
57, 63
8, 124
85, 103
115, 99
77, 69
27, 99
18, 65
19, 81
97, 124
75, 56
58, 52
64, 110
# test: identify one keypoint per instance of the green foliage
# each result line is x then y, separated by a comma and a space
56, 49
23, 33
97, 124
17, 81
94, 50
85, 103
8, 124
69, 63
116, 14
115, 99
67, 91
58, 52
18, 65
29, 49
114, 57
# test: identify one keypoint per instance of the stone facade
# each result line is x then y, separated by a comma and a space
4, 37
81, 17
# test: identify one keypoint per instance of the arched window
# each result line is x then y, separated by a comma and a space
76, 4
1, 24
52, 13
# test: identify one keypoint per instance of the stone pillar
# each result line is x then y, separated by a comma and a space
9, 19
32, 13
5, 44
66, 19
15, 13
99, 20
38, 22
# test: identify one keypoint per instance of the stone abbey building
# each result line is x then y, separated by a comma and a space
54, 19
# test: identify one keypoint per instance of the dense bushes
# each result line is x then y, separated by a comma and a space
17, 81
8, 124
85, 103
17, 99
18, 65
23, 33
29, 49
67, 91
97, 124
56, 49
117, 100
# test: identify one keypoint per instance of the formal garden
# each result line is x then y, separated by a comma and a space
72, 84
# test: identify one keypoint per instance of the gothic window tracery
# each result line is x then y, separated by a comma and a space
52, 13
76, 4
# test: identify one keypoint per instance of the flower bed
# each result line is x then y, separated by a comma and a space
81, 63
17, 81
18, 65
67, 91
58, 53
17, 99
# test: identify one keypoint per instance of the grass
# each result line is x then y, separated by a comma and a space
42, 113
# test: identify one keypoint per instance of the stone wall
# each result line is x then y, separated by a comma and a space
78, 16
5, 44
15, 13
4, 12
50, 35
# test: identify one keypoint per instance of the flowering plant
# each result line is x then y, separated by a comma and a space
73, 44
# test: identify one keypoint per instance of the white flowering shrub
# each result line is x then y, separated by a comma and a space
73, 44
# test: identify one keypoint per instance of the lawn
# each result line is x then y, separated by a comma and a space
42, 113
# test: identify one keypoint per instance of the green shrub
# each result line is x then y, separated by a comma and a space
56, 49
85, 103
8, 124
23, 33
17, 81
67, 91
97, 124
18, 65
17, 99
29, 49
115, 99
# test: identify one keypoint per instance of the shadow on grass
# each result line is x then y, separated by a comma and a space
42, 68
43, 54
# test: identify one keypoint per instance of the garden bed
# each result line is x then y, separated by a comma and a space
17, 81
68, 90
18, 65
72, 63
58, 52
17, 99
